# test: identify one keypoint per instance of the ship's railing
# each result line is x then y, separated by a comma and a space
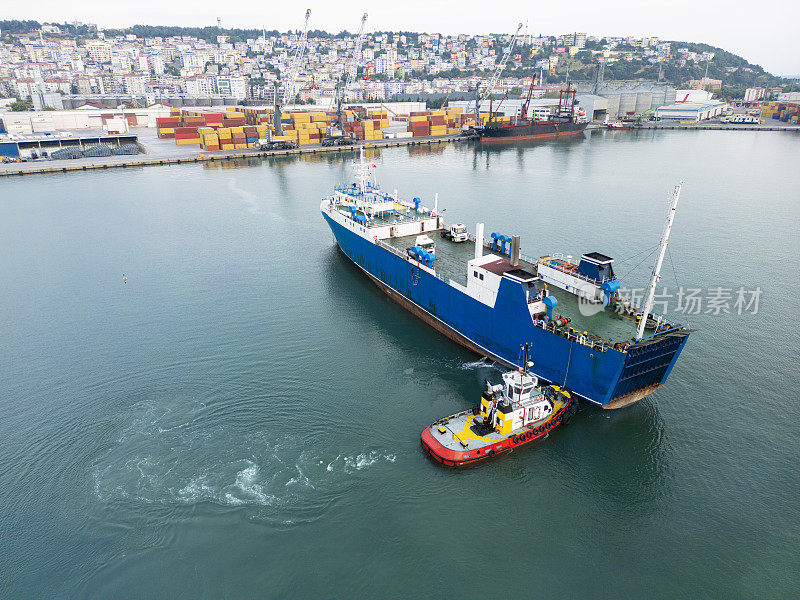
591, 341
392, 249
404, 256
572, 273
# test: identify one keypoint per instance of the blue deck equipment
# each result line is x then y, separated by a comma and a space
550, 303
609, 289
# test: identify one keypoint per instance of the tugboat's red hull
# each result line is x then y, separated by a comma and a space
464, 458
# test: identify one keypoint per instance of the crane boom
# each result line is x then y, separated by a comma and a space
499, 70
297, 61
352, 68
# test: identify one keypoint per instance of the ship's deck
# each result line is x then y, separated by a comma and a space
451, 263
457, 430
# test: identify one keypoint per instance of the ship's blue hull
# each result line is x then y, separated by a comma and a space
501, 331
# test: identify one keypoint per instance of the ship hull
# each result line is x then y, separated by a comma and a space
611, 378
531, 131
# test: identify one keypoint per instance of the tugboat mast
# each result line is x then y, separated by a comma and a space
651, 290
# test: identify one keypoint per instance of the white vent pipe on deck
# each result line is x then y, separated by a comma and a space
478, 240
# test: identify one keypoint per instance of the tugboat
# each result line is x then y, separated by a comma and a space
510, 415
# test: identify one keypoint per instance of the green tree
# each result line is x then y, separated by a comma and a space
19, 106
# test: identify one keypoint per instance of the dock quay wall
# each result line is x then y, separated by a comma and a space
143, 161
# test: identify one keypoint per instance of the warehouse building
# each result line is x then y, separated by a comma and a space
35, 146
691, 112
627, 98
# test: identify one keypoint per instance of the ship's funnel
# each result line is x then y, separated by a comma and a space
514, 255
478, 240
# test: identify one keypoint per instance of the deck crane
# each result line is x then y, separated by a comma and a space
352, 69
489, 89
297, 60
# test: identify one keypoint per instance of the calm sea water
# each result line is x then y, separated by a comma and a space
242, 418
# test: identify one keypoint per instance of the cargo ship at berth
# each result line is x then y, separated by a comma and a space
562, 123
489, 297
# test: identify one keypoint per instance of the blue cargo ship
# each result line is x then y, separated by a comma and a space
486, 295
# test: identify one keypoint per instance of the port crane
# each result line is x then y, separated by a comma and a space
287, 94
490, 87
291, 79
352, 69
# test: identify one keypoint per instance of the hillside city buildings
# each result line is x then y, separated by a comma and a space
49, 67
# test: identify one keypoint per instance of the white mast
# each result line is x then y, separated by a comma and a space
662, 250
362, 171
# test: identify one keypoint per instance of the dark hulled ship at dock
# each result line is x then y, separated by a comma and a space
562, 123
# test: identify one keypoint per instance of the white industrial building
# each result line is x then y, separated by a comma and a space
30, 122
693, 96
691, 112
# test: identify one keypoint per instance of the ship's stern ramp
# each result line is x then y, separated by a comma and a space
647, 364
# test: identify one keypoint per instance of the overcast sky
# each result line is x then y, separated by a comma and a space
765, 34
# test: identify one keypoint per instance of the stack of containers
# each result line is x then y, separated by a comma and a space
194, 121
225, 138
214, 119
239, 138
251, 135
167, 125
453, 119
209, 139
418, 124
234, 119
187, 136
368, 129
297, 133
438, 122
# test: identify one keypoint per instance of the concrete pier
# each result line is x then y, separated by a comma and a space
144, 160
